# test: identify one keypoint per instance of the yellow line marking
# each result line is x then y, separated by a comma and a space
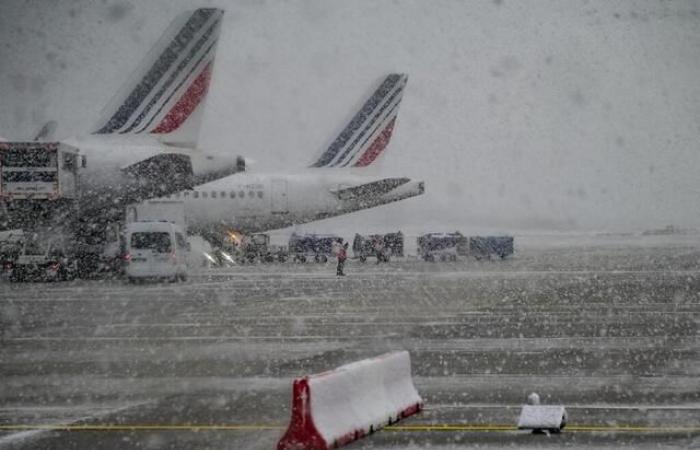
392, 428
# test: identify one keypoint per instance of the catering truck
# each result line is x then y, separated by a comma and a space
39, 183
39, 171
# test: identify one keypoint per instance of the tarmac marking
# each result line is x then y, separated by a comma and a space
192, 338
392, 428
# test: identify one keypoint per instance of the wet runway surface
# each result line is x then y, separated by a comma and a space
610, 331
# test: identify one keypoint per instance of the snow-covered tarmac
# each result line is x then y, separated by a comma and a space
609, 327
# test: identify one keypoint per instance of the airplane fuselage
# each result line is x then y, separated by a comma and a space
120, 171
259, 202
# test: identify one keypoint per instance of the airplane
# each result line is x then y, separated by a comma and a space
248, 202
144, 143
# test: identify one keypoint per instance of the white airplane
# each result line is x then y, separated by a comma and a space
144, 143
247, 202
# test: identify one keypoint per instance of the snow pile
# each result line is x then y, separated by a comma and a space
339, 406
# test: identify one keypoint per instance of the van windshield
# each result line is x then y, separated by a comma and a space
158, 241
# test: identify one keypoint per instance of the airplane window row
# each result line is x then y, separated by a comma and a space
215, 194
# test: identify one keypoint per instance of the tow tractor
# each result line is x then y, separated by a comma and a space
43, 259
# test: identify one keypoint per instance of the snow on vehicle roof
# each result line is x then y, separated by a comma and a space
151, 225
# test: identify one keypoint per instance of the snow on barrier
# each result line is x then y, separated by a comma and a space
538, 417
334, 408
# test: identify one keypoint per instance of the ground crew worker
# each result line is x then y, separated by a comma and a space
342, 256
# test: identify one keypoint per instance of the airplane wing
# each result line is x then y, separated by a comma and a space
370, 190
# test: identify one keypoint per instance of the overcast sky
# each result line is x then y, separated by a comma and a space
519, 115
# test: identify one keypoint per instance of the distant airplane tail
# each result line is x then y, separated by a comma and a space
166, 93
369, 131
47, 132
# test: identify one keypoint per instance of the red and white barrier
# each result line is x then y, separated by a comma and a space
339, 406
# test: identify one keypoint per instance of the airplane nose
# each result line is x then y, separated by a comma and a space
421, 187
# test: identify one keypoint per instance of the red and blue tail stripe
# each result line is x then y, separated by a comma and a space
369, 131
171, 82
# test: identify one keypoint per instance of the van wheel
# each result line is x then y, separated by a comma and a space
183, 277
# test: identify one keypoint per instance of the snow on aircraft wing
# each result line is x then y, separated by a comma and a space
370, 190
369, 131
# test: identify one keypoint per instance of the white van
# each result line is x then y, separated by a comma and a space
155, 249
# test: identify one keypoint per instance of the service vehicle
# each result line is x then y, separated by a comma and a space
442, 246
43, 258
155, 250
390, 244
39, 171
488, 246
39, 183
11, 243
316, 246
257, 247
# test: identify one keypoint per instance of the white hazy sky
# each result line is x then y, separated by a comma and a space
548, 114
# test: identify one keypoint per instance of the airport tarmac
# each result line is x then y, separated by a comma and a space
607, 327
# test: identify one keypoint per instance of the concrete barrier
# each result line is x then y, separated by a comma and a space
539, 418
339, 406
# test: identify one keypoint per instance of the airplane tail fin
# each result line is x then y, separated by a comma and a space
369, 131
166, 93
47, 132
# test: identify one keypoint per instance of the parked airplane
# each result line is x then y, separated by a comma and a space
248, 202
144, 143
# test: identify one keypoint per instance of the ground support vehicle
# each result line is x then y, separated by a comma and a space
257, 247
11, 243
39, 183
390, 244
441, 246
316, 246
44, 259
487, 246
155, 250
